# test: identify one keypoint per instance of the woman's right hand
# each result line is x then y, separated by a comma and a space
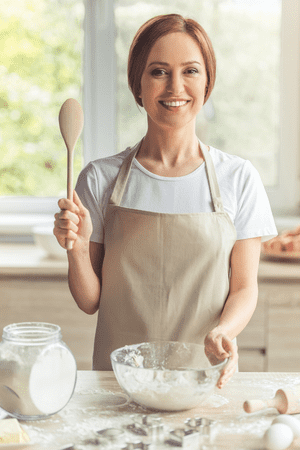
73, 222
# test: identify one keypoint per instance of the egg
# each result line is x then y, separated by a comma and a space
291, 421
278, 437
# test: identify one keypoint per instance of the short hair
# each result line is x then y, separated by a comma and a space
154, 29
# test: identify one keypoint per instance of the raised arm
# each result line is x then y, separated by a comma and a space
85, 258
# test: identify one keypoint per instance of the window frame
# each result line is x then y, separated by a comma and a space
100, 106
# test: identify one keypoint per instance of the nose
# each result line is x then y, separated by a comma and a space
175, 84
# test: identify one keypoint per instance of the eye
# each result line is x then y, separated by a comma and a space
158, 72
193, 70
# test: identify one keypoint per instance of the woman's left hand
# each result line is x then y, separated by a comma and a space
218, 346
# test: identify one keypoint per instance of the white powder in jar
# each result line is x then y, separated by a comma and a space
35, 382
52, 379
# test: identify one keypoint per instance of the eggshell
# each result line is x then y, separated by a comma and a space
278, 437
290, 421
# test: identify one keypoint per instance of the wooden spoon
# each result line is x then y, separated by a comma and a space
70, 123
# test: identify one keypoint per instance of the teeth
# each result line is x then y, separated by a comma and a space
175, 103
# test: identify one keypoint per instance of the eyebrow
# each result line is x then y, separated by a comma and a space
161, 63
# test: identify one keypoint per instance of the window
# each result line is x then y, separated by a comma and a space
254, 108
40, 67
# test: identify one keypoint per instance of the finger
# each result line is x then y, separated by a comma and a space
62, 235
228, 372
66, 215
61, 232
225, 378
66, 225
65, 234
219, 350
77, 201
65, 204
233, 357
230, 367
228, 345
226, 349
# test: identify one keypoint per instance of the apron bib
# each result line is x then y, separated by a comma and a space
164, 276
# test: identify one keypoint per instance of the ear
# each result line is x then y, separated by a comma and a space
141, 101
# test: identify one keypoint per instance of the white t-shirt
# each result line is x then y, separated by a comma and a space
242, 192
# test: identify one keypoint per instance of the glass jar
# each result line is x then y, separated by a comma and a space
37, 370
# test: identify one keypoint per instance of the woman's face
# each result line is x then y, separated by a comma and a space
174, 81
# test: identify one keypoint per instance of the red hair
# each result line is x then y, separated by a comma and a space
157, 27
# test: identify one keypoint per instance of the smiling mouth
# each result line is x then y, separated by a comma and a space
172, 105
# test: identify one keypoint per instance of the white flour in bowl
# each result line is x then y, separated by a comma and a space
167, 390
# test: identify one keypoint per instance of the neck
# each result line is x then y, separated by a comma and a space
170, 152
170, 147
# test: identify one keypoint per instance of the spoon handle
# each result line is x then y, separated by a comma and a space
69, 243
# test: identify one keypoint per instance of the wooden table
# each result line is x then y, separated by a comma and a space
236, 430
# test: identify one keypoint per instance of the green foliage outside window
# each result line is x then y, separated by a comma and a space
40, 67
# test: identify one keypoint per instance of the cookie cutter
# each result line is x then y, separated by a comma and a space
138, 445
205, 427
149, 426
113, 435
187, 438
86, 443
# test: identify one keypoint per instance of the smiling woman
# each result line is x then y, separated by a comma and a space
175, 81
172, 92
144, 42
156, 225
179, 83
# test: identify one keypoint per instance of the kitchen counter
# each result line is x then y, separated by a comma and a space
278, 270
24, 259
86, 412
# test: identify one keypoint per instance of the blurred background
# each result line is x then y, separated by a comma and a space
51, 50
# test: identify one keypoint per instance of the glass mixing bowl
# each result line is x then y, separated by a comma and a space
168, 376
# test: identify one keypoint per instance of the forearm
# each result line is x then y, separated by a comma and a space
238, 310
84, 284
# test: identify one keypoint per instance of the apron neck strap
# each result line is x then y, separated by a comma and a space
121, 181
122, 178
212, 180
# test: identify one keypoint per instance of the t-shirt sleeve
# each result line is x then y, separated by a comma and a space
254, 217
87, 188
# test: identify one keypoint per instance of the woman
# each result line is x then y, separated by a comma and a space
167, 234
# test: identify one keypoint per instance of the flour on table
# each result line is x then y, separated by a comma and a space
215, 401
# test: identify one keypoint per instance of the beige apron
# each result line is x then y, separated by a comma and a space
164, 276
